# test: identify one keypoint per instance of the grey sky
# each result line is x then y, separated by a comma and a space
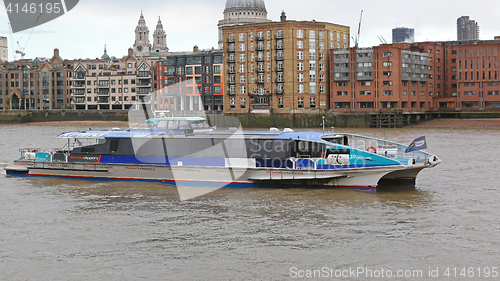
84, 31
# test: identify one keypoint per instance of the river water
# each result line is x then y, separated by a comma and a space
56, 229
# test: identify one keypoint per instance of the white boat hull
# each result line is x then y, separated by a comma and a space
356, 178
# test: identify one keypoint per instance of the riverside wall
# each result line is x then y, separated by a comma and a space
250, 120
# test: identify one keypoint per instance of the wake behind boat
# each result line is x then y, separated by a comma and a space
187, 151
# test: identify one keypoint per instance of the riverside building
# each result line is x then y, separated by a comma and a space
455, 75
279, 66
110, 83
201, 75
35, 84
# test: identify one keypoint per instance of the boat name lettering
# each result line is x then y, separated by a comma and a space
140, 169
88, 158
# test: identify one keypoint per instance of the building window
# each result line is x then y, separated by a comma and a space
313, 102
365, 93
242, 90
300, 44
300, 102
387, 54
300, 89
341, 93
300, 33
300, 55
365, 104
280, 102
300, 77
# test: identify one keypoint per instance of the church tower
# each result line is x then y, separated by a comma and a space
142, 47
160, 39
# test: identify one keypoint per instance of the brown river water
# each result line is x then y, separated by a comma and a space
57, 229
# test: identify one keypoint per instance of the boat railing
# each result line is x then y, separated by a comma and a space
36, 154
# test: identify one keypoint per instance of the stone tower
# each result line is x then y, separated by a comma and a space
160, 39
142, 47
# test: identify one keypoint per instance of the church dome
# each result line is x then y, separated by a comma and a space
245, 5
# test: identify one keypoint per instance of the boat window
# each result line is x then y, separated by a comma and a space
309, 149
113, 147
162, 125
184, 125
148, 125
199, 125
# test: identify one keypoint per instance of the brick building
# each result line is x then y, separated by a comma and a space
283, 66
35, 84
457, 75
473, 81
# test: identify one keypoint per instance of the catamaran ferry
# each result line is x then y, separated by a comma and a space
187, 151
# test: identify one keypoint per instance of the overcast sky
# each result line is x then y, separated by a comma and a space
83, 32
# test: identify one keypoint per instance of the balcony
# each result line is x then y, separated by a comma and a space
103, 101
260, 48
279, 92
79, 85
279, 46
231, 50
79, 77
103, 93
143, 91
142, 85
279, 36
279, 58
260, 38
231, 40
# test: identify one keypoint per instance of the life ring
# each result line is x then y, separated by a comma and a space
371, 148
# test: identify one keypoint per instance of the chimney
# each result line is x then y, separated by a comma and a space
283, 16
195, 49
130, 52
56, 52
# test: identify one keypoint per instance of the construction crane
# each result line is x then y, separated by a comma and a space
359, 29
382, 39
21, 50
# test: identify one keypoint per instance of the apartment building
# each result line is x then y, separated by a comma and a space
35, 84
110, 83
280, 66
190, 82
